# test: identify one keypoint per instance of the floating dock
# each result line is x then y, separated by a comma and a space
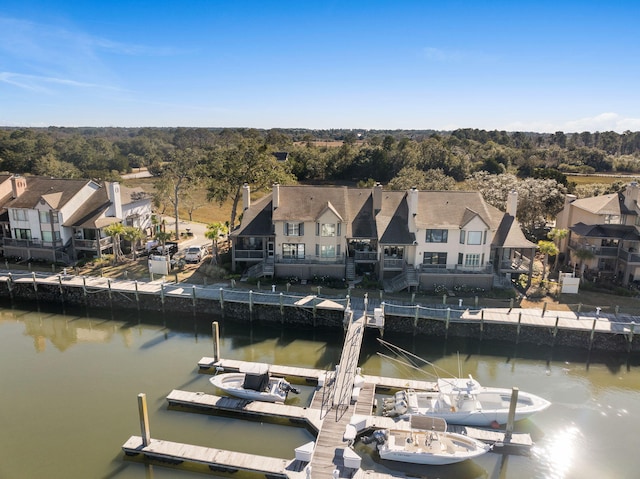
341, 410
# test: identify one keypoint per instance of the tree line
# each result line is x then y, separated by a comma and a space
223, 159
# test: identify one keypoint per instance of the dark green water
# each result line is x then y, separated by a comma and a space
69, 383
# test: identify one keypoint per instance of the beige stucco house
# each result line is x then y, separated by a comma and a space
62, 220
607, 227
407, 239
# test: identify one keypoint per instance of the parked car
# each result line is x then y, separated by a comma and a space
170, 248
195, 253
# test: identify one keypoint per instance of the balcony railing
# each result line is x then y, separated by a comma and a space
453, 268
393, 263
629, 256
365, 256
92, 244
31, 243
310, 260
249, 254
596, 250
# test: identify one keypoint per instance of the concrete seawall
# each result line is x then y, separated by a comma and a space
556, 329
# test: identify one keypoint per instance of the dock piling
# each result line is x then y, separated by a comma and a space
593, 332
216, 341
512, 413
144, 419
10, 284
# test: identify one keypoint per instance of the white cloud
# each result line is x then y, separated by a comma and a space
436, 54
602, 122
37, 83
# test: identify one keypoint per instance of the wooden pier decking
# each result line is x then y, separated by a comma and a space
341, 408
251, 408
217, 459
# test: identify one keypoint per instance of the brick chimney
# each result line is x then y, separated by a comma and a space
275, 197
512, 203
113, 192
631, 195
377, 198
246, 196
18, 185
412, 201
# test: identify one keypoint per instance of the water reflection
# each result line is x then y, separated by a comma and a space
557, 456
69, 387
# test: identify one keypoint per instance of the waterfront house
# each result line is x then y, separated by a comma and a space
63, 220
607, 227
407, 239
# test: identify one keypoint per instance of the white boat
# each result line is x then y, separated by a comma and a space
254, 382
426, 445
464, 402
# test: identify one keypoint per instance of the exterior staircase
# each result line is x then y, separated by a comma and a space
350, 272
406, 280
263, 269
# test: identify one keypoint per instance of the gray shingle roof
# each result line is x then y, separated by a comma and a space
623, 232
436, 209
57, 192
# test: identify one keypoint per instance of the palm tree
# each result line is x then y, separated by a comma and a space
583, 255
557, 235
163, 237
214, 232
547, 248
115, 230
133, 235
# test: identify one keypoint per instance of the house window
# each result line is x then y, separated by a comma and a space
22, 233
327, 229
437, 236
474, 237
19, 215
612, 219
48, 217
460, 258
393, 251
47, 236
133, 220
472, 260
434, 258
462, 234
327, 251
293, 250
294, 229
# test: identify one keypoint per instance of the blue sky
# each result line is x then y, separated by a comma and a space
516, 66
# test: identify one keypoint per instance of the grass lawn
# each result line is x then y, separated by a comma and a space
205, 211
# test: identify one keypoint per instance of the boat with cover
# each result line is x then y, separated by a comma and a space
458, 400
427, 442
254, 382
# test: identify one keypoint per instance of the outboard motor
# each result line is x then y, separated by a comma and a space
288, 388
379, 437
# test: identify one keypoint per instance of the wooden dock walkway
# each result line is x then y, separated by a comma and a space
341, 409
217, 459
251, 408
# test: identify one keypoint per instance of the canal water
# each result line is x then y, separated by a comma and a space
69, 382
